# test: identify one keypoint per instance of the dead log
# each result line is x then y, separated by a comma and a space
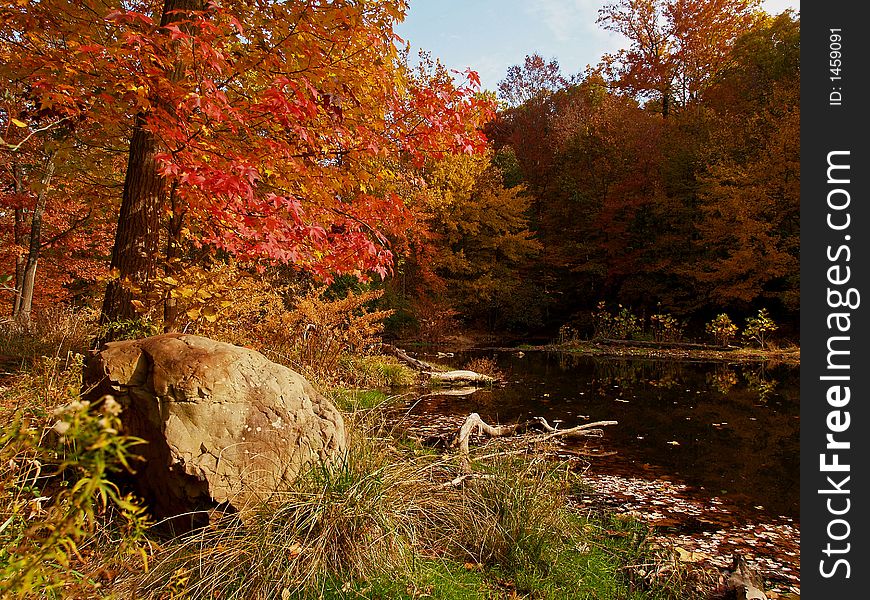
473, 423
403, 356
459, 377
456, 377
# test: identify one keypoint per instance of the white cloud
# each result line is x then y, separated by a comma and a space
565, 18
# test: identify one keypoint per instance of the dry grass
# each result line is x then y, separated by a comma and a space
362, 518
485, 366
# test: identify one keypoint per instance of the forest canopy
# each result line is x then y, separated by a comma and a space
146, 144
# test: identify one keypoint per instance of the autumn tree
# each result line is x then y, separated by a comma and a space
482, 242
536, 77
697, 211
56, 165
260, 129
750, 193
676, 47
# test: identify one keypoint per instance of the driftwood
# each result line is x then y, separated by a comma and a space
457, 377
473, 423
412, 362
454, 391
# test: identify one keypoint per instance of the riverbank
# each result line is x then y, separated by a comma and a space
388, 522
790, 355
481, 341
700, 534
626, 348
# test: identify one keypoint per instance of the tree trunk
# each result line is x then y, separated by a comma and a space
18, 239
173, 258
134, 255
28, 281
138, 235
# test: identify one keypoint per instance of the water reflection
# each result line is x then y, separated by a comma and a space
728, 430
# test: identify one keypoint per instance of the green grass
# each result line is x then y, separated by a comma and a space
357, 400
376, 371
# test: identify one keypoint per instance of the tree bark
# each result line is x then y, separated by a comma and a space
138, 235
137, 240
173, 258
28, 281
18, 239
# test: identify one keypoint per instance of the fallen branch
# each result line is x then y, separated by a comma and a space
403, 356
456, 377
473, 423
459, 377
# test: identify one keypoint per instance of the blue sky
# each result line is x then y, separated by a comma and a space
491, 35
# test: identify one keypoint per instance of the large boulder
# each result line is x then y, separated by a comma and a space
224, 425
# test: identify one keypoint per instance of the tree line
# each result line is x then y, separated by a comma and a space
666, 178
146, 144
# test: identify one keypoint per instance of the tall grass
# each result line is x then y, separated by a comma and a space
360, 519
386, 522
55, 332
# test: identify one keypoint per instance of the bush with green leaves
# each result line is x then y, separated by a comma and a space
57, 497
722, 329
759, 327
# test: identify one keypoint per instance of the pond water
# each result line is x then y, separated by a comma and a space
726, 431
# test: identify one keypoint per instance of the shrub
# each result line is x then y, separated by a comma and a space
666, 328
624, 325
57, 498
758, 327
317, 331
722, 329
485, 365
567, 334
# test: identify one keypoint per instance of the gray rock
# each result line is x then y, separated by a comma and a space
224, 425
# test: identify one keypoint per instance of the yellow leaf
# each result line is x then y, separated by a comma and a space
210, 314
137, 304
193, 313
691, 556
18, 123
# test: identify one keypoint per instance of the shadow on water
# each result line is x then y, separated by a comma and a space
729, 431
